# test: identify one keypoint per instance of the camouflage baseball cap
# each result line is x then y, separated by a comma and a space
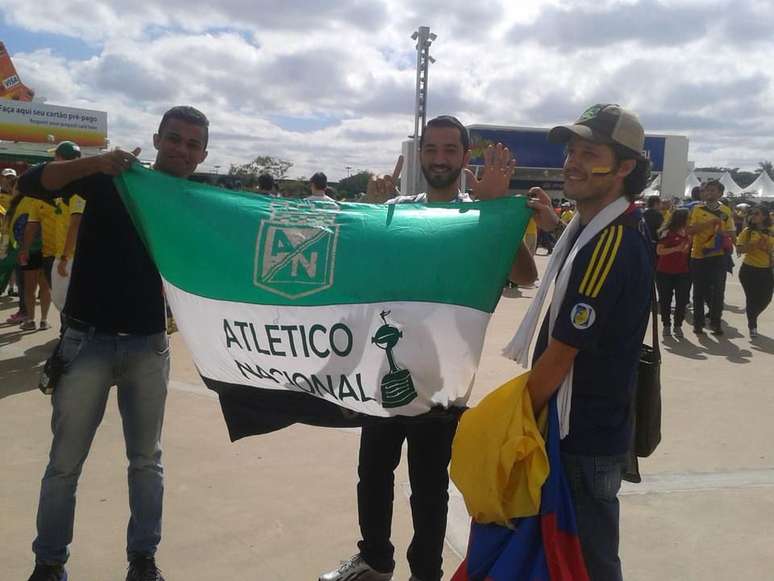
605, 123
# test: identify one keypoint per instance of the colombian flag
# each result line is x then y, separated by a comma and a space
544, 547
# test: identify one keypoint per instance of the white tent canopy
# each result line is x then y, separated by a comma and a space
691, 182
654, 189
732, 188
762, 187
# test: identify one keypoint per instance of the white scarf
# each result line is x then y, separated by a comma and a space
518, 348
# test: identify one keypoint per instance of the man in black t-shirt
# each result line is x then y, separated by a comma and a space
114, 334
653, 218
598, 330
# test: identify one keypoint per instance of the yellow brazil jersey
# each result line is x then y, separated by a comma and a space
5, 201
27, 206
47, 214
76, 206
706, 243
755, 255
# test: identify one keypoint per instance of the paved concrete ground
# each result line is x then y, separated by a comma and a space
282, 507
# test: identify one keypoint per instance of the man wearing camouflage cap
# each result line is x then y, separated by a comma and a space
589, 343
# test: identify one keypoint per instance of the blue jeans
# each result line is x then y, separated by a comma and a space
139, 367
594, 483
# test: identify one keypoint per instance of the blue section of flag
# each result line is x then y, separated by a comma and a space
544, 547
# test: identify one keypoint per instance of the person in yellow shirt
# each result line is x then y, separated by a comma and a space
757, 244
28, 223
29, 258
567, 213
711, 228
51, 221
70, 225
530, 236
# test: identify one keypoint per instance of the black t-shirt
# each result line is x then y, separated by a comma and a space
654, 219
114, 285
604, 314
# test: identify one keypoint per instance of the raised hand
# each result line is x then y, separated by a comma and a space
117, 161
381, 189
496, 175
544, 214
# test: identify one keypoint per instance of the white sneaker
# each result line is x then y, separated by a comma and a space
356, 569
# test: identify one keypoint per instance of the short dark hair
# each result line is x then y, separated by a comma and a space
265, 182
189, 115
448, 121
319, 180
716, 183
696, 193
638, 178
652, 201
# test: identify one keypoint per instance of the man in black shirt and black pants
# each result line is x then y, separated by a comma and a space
114, 335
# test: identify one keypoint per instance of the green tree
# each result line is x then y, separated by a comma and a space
297, 188
768, 167
354, 184
276, 167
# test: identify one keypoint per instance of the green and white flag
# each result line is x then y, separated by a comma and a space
326, 313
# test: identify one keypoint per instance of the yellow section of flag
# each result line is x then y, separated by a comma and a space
499, 461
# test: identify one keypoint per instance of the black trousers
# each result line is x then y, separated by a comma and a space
677, 286
708, 276
758, 284
429, 452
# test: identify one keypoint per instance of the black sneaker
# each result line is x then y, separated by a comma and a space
717, 330
48, 573
698, 330
143, 569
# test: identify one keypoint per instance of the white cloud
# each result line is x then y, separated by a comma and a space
331, 85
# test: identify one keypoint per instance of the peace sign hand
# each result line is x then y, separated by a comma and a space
499, 165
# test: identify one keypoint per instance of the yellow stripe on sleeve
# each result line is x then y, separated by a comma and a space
599, 266
592, 262
610, 261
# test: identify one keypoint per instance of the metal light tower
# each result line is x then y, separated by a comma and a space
424, 39
411, 181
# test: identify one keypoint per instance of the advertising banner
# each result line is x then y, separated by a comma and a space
42, 123
11, 86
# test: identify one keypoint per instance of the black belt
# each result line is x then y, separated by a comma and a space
83, 327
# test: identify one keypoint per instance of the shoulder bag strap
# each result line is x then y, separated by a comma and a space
654, 319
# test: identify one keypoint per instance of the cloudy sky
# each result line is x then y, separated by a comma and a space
330, 83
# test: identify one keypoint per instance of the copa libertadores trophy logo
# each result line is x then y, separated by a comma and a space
397, 385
